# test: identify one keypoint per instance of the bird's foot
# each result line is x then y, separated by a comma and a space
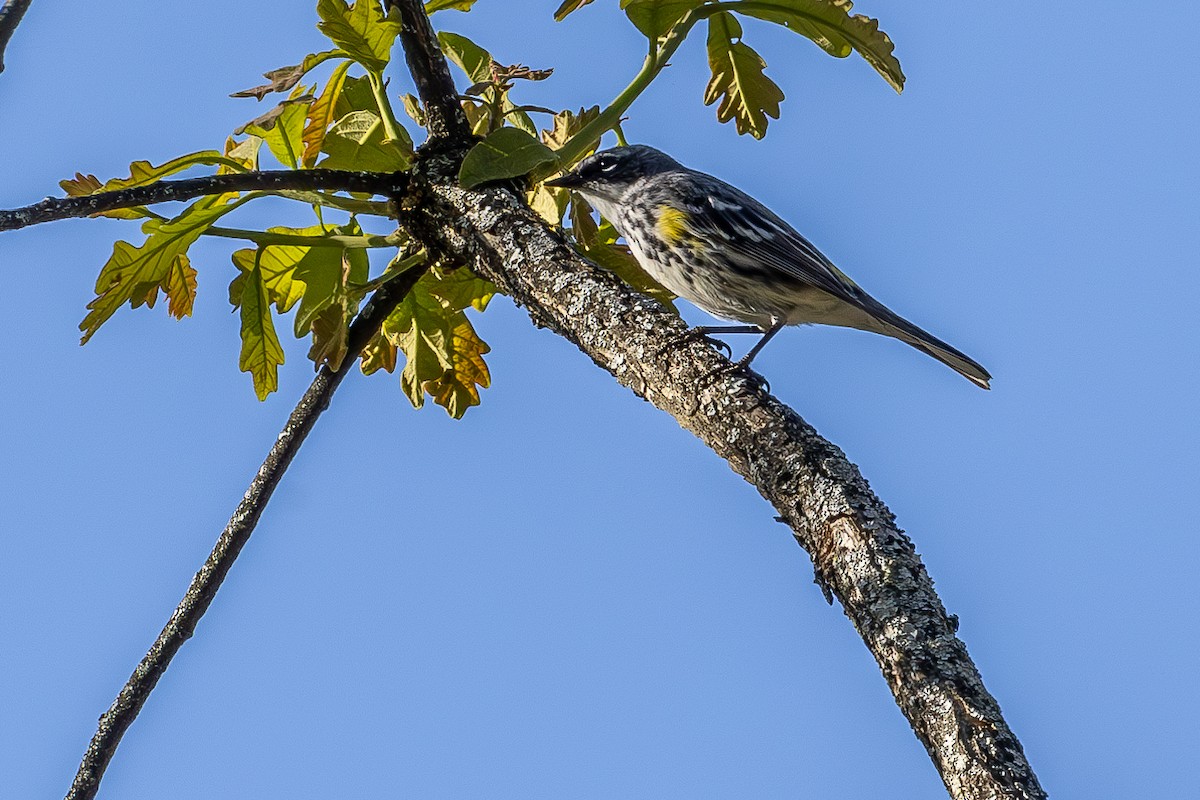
752, 377
696, 334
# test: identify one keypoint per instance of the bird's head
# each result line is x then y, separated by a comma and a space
609, 173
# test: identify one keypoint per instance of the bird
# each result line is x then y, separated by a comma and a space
717, 247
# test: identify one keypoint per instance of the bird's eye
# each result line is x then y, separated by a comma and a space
606, 165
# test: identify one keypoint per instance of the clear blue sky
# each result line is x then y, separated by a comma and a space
565, 595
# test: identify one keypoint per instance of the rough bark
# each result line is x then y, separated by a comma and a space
10, 17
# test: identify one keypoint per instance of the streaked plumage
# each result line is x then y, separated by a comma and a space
719, 248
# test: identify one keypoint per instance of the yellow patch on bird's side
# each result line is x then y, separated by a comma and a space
672, 223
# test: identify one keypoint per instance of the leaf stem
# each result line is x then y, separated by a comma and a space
267, 238
391, 126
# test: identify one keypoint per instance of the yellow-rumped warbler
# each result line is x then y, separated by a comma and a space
718, 247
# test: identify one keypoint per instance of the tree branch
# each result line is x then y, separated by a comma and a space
203, 588
10, 17
858, 553
53, 208
430, 72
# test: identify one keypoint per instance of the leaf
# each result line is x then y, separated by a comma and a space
378, 354
505, 153
134, 274
412, 107
285, 78
142, 173
244, 154
548, 202
321, 114
330, 337
277, 263
747, 95
282, 128
357, 142
567, 124
361, 30
568, 7
179, 286
443, 354
439, 5
261, 352
460, 288
326, 273
356, 95
468, 56
458, 387
654, 18
830, 25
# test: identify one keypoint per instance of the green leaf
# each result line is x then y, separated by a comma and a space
261, 352
356, 95
460, 288
361, 30
438, 5
321, 115
835, 30
327, 273
655, 17
468, 56
505, 153
282, 128
568, 7
457, 389
285, 78
179, 285
277, 263
747, 95
357, 142
134, 274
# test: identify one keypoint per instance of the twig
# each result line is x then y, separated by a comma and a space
55, 208
430, 73
10, 18
203, 588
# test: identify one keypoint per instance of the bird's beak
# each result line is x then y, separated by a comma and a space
568, 180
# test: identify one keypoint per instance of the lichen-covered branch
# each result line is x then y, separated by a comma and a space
181, 626
56, 208
859, 554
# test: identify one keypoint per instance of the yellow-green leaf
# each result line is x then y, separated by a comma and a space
655, 17
568, 7
361, 30
261, 352
282, 128
134, 274
278, 266
179, 286
468, 56
321, 115
379, 354
443, 354
457, 389
505, 153
330, 334
459, 288
142, 173
358, 142
747, 95
835, 30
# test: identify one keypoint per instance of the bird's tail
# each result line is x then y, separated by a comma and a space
896, 326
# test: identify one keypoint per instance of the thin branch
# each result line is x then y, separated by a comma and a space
203, 588
430, 72
53, 208
10, 17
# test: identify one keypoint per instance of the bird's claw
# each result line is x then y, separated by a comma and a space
752, 377
695, 334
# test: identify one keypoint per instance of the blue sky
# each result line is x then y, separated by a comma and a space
565, 595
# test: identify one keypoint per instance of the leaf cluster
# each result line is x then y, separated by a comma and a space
344, 119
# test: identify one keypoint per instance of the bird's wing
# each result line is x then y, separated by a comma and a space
752, 234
